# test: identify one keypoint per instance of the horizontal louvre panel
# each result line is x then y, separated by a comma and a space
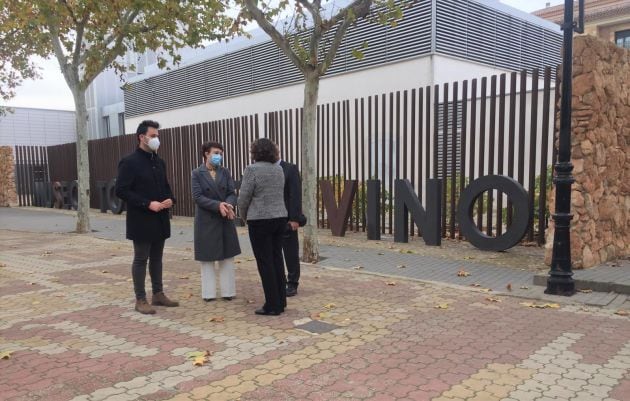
464, 28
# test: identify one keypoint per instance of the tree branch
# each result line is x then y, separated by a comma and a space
280, 40
127, 21
359, 8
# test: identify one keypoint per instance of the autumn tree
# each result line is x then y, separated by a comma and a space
89, 36
310, 38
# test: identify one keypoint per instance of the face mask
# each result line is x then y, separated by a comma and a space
216, 159
153, 144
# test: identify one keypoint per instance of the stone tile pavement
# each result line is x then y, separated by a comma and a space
69, 332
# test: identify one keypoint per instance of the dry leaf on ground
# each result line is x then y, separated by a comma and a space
104, 271
586, 290
524, 287
329, 306
5, 354
401, 266
509, 287
622, 313
486, 290
319, 315
463, 273
441, 306
199, 358
492, 299
380, 254
183, 277
358, 267
391, 283
217, 319
540, 306
475, 285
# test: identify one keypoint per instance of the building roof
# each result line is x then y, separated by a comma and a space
593, 10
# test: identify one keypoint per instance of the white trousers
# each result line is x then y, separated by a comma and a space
227, 279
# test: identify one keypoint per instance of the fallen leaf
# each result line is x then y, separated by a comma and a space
5, 354
391, 283
358, 267
316, 277
196, 354
185, 258
441, 306
380, 254
250, 259
469, 257
104, 271
509, 287
540, 306
524, 287
586, 290
183, 277
407, 251
390, 246
401, 266
217, 319
475, 285
130, 280
622, 313
239, 261
31, 283
463, 273
250, 301
492, 299
188, 296
329, 306
112, 254
318, 315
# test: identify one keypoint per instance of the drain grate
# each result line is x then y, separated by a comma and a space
317, 327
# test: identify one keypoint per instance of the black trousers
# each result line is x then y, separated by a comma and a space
143, 251
266, 238
291, 250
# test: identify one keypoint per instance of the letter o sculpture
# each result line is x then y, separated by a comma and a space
520, 220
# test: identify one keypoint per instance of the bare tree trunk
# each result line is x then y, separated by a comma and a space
83, 161
310, 248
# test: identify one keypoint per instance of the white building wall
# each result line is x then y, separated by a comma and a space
37, 127
419, 72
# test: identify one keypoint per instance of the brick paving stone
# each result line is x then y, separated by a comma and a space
391, 342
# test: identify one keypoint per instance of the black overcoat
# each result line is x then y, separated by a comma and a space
141, 180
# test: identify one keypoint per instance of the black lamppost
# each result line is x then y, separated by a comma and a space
560, 280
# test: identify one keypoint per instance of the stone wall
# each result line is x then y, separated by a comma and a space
7, 179
600, 201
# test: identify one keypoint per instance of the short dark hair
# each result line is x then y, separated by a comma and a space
144, 127
264, 150
209, 145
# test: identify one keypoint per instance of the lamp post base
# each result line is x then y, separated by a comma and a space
560, 285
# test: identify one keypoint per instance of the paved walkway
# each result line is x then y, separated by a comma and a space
490, 270
68, 332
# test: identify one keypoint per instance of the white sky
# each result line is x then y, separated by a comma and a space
51, 92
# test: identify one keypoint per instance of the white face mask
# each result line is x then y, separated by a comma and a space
154, 144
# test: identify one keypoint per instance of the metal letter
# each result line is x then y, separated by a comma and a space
427, 221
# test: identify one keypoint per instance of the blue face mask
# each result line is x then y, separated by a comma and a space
216, 159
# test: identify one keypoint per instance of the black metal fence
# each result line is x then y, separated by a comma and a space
458, 131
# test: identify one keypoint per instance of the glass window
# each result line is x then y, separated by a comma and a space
106, 127
622, 38
121, 124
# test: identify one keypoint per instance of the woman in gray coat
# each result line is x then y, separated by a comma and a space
216, 240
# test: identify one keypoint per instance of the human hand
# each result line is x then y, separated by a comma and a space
224, 209
168, 203
294, 225
156, 206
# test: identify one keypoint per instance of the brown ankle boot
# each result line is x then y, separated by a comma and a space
160, 299
143, 307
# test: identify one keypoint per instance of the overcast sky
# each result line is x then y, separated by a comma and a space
51, 92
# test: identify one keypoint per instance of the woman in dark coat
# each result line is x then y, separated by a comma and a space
216, 239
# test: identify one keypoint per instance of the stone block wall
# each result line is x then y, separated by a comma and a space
600, 230
8, 196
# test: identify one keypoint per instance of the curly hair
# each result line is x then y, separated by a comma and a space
264, 150
209, 145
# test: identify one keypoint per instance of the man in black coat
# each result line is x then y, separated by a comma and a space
142, 184
290, 242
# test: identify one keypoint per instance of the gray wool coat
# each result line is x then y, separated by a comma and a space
215, 236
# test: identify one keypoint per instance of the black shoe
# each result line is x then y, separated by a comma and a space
208, 299
291, 291
228, 298
264, 312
